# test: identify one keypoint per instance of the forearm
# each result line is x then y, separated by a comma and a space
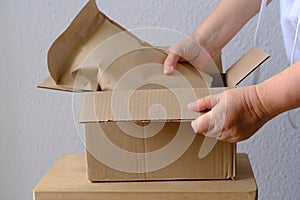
224, 22
281, 92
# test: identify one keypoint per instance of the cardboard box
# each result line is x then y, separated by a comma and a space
121, 146
142, 147
138, 126
66, 180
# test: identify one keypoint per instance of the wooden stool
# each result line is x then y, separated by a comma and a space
67, 181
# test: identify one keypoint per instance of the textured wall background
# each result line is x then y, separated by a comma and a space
37, 127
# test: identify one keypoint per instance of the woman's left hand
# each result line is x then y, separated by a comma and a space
235, 115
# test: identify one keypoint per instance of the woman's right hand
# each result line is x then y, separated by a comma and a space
186, 49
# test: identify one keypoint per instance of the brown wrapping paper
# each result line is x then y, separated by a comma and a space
94, 53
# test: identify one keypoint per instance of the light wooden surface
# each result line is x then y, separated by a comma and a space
67, 180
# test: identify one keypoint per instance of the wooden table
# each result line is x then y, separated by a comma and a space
67, 181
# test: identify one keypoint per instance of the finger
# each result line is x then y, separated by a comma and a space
181, 59
226, 136
229, 139
202, 123
170, 63
203, 104
222, 136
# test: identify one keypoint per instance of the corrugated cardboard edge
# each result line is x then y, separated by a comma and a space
49, 83
234, 160
97, 106
245, 65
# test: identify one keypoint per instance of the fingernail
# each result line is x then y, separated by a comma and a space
168, 69
193, 105
194, 125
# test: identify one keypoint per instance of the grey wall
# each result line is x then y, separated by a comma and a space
37, 125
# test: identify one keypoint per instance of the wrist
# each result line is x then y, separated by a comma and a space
265, 101
257, 104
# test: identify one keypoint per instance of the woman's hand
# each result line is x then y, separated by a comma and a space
234, 115
213, 34
186, 49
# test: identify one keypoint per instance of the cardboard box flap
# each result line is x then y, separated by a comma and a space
94, 52
141, 105
49, 83
245, 65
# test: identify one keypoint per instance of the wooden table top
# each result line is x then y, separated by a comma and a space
67, 180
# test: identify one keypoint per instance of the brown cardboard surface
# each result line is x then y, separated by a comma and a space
126, 105
170, 154
66, 180
245, 65
111, 132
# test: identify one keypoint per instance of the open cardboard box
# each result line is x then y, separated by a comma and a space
137, 126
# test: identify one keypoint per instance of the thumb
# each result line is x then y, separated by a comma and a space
202, 123
170, 63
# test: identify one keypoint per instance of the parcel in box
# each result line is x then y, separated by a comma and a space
137, 126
